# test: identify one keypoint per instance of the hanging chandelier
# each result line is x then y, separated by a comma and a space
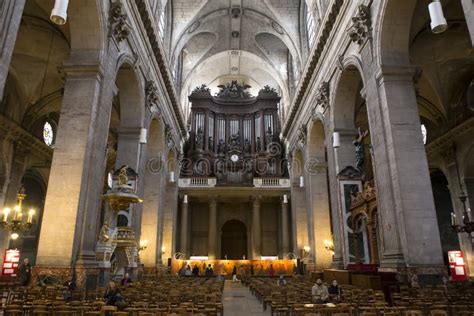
15, 224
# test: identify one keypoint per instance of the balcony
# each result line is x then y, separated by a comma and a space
271, 183
125, 236
197, 182
235, 181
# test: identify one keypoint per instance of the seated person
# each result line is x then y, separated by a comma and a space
126, 280
195, 270
112, 295
281, 281
319, 292
188, 272
334, 291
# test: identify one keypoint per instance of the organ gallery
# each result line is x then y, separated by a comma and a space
173, 157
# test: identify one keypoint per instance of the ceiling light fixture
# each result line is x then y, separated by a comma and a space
59, 12
438, 22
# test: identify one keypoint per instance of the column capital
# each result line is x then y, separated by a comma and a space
213, 199
82, 70
395, 73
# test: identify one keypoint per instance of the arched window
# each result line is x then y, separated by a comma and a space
310, 26
48, 134
162, 23
424, 133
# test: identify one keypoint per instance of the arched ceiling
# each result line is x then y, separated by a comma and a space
256, 42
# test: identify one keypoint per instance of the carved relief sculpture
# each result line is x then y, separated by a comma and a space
361, 28
118, 22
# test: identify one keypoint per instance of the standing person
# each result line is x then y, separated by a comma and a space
126, 280
334, 291
187, 272
25, 272
252, 272
195, 270
234, 274
272, 271
209, 270
319, 292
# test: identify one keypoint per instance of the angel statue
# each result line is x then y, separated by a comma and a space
123, 178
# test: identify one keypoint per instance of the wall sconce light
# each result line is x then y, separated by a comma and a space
306, 249
59, 12
336, 140
172, 179
329, 246
301, 182
163, 250
185, 199
438, 22
143, 245
143, 134
285, 198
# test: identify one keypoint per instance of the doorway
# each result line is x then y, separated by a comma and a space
234, 240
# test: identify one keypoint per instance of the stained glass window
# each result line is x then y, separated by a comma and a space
310, 26
424, 132
48, 134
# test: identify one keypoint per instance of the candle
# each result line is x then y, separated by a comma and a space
6, 212
453, 219
30, 216
17, 213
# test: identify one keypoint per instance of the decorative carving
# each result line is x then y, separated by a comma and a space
104, 232
247, 146
233, 90
118, 22
221, 147
151, 98
269, 90
169, 136
322, 98
234, 141
350, 173
123, 177
302, 133
202, 89
359, 148
235, 34
236, 12
361, 28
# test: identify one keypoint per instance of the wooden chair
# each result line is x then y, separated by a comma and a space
13, 312
438, 312
413, 312
107, 310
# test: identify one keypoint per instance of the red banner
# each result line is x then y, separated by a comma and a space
11, 262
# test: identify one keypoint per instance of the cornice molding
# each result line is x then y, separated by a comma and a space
442, 143
160, 57
314, 59
14, 131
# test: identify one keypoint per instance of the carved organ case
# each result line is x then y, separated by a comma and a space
234, 136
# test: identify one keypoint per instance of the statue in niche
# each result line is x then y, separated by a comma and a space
269, 136
247, 147
360, 149
235, 141
259, 144
221, 147
104, 233
200, 138
211, 143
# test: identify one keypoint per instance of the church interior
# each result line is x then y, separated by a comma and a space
202, 157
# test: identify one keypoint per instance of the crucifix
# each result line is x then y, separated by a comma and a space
359, 148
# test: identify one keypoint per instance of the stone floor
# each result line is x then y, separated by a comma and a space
238, 300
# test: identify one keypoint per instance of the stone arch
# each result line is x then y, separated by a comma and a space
443, 200
153, 184
347, 86
392, 31
87, 27
131, 107
318, 195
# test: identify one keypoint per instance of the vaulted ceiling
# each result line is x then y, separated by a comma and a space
256, 42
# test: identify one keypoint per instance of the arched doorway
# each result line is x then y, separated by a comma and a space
234, 240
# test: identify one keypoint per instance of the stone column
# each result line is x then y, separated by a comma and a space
256, 230
212, 244
75, 182
408, 217
11, 12
468, 8
184, 226
285, 237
